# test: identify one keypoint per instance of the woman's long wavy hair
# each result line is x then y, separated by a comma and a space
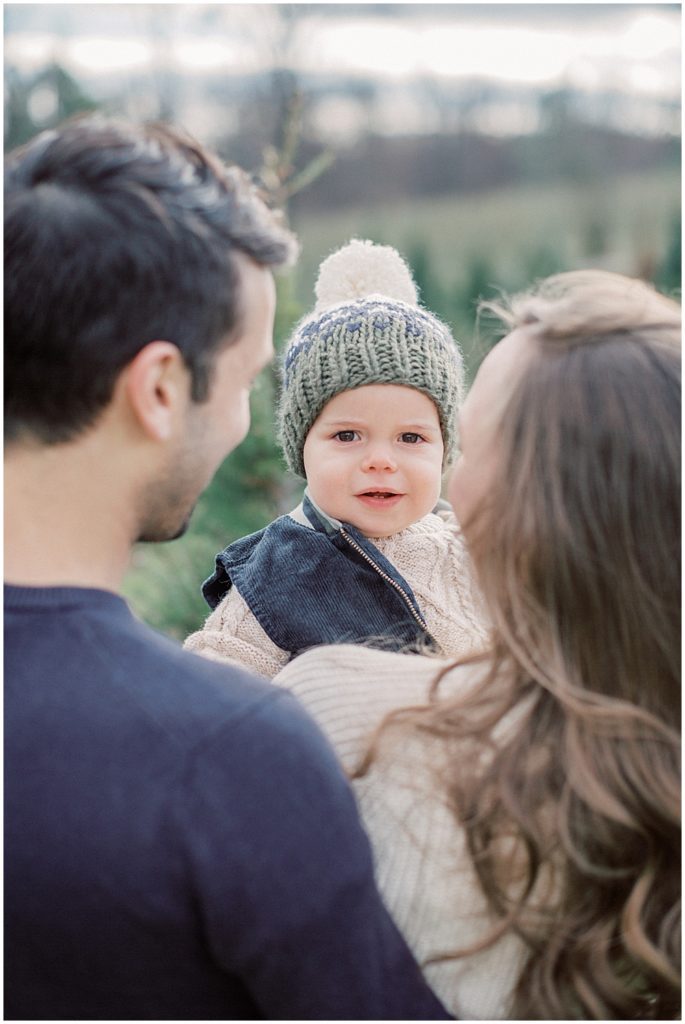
573, 817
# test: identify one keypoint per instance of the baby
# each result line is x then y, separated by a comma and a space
371, 387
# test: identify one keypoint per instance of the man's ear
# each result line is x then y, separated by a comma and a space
156, 384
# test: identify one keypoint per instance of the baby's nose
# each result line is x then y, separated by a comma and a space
380, 457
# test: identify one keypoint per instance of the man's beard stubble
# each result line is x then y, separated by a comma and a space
159, 526
166, 504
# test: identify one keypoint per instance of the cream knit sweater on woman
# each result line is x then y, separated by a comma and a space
429, 554
423, 868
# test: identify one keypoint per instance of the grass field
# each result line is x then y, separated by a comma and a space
621, 224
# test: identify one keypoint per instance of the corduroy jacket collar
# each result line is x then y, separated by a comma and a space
310, 579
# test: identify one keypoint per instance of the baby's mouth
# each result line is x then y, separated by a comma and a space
380, 499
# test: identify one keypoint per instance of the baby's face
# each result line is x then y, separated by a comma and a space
374, 458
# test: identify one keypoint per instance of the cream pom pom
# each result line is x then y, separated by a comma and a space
361, 268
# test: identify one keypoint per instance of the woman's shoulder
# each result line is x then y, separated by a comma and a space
352, 670
422, 864
351, 689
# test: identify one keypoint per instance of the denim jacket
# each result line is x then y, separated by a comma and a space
309, 579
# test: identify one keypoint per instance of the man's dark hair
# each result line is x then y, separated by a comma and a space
115, 236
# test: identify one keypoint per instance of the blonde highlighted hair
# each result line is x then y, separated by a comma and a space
573, 820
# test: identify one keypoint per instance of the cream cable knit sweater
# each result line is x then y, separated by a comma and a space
431, 556
423, 868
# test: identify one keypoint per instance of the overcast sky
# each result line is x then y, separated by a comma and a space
629, 47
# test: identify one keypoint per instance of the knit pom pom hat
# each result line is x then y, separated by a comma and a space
366, 328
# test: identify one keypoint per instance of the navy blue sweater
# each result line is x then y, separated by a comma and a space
180, 842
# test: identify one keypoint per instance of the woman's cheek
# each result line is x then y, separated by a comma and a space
457, 489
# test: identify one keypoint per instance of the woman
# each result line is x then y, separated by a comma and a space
524, 806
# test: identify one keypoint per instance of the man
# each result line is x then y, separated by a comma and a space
179, 840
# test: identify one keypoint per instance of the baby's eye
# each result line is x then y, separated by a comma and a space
346, 436
410, 438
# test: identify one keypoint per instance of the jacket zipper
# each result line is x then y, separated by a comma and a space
388, 579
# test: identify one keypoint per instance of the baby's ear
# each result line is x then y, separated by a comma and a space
156, 385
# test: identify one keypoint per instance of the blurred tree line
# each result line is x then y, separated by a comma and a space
253, 486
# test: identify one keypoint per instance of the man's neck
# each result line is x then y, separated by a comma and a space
65, 523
